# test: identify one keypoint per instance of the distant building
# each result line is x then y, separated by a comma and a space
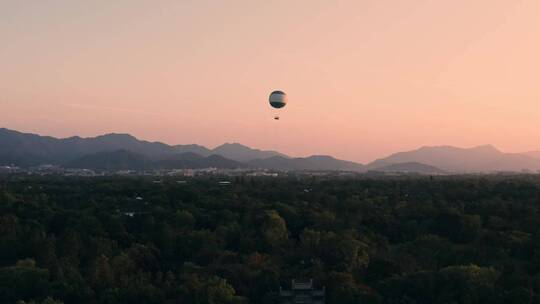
302, 292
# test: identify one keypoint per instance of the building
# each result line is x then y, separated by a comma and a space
302, 292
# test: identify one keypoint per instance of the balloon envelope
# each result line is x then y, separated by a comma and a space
278, 99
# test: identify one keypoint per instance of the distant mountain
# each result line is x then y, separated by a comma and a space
533, 154
234, 151
123, 151
127, 160
451, 159
410, 167
27, 149
45, 149
195, 161
114, 142
116, 160
316, 162
119, 151
243, 153
24, 149
197, 149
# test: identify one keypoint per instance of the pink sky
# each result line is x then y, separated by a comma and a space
365, 78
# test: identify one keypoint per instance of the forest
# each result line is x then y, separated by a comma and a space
392, 240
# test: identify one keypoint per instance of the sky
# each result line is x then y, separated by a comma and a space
364, 78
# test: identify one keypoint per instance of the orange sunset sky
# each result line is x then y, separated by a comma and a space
365, 78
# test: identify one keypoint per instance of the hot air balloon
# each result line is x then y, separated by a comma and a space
278, 100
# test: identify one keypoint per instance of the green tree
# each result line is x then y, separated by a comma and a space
274, 228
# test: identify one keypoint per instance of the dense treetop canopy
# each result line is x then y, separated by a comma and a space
471, 239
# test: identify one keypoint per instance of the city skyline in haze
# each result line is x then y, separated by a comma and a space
364, 78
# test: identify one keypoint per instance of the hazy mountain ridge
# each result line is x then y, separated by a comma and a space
410, 167
127, 160
316, 162
55, 150
533, 154
239, 152
24, 149
122, 151
115, 160
484, 158
191, 160
193, 148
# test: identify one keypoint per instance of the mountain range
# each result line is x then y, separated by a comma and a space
123, 151
484, 158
